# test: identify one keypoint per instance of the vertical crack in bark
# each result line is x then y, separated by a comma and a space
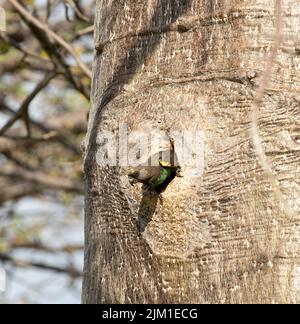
265, 82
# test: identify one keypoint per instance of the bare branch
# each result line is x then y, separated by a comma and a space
44, 248
23, 12
72, 4
14, 191
85, 31
23, 111
43, 179
71, 271
51, 133
26, 52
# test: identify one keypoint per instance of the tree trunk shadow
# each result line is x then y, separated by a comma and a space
147, 209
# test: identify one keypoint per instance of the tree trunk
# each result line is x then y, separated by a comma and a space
222, 236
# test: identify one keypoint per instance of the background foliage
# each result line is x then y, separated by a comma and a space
45, 73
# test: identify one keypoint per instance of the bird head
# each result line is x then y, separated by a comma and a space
178, 172
176, 169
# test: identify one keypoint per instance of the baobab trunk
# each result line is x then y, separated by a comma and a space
223, 235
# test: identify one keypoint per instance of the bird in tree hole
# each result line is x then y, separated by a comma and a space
156, 178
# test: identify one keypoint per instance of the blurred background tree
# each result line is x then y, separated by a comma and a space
45, 73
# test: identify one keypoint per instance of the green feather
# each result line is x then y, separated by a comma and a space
164, 175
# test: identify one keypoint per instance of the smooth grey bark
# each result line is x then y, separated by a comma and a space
222, 237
